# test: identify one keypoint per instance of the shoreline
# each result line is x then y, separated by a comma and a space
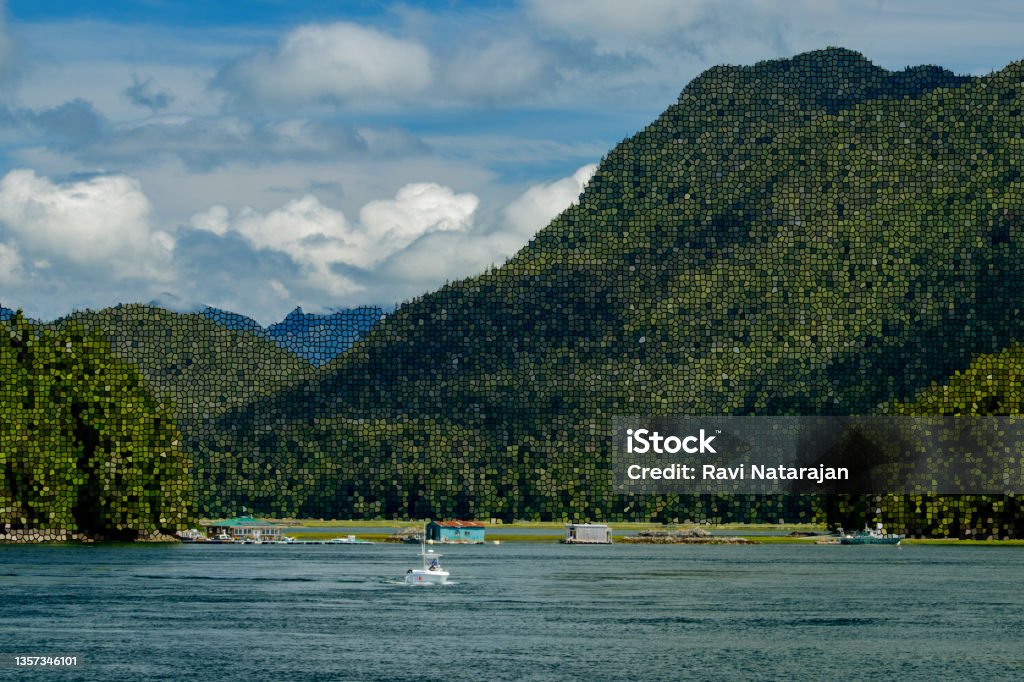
322, 529
553, 525
381, 538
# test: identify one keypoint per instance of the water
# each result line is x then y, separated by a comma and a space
517, 612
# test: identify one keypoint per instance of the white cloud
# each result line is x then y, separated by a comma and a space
279, 289
416, 210
263, 262
102, 222
321, 240
10, 264
214, 219
541, 203
336, 62
313, 235
444, 256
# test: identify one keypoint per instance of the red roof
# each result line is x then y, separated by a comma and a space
460, 524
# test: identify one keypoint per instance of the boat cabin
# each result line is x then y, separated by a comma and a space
456, 532
587, 534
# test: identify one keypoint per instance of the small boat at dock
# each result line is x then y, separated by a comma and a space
869, 536
350, 540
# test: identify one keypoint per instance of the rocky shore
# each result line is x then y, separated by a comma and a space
28, 536
414, 534
682, 536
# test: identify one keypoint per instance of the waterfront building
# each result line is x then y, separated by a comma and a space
456, 532
243, 528
587, 534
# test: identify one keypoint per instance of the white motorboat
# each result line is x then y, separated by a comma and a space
431, 573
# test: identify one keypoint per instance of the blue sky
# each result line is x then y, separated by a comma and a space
261, 155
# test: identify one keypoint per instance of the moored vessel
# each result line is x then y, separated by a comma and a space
869, 536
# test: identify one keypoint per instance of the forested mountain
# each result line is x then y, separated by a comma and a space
806, 236
748, 251
194, 365
95, 406
84, 445
993, 385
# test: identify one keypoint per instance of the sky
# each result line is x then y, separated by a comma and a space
258, 155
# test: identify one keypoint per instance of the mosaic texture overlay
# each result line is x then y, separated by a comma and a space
811, 236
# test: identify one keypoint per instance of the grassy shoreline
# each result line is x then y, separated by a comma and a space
760, 539
552, 525
556, 527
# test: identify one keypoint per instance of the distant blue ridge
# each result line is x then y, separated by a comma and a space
233, 321
318, 339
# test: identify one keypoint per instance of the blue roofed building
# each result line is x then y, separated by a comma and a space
456, 532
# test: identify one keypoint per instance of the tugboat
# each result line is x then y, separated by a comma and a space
431, 573
869, 536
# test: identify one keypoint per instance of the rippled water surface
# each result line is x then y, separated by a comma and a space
517, 611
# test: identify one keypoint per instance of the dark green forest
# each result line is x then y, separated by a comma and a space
199, 368
805, 236
84, 445
811, 236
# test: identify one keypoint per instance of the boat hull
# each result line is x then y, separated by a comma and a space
421, 577
887, 540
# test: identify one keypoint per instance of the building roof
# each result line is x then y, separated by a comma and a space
460, 524
243, 522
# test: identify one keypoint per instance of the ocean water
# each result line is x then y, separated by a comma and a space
516, 612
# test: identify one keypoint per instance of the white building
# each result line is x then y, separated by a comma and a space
587, 534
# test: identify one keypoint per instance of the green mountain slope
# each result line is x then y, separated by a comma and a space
745, 234
191, 363
991, 385
84, 445
805, 236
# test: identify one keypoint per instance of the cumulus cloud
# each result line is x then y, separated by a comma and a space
103, 222
430, 261
416, 210
313, 235
80, 240
323, 242
147, 94
279, 289
215, 220
541, 203
10, 264
398, 248
337, 62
